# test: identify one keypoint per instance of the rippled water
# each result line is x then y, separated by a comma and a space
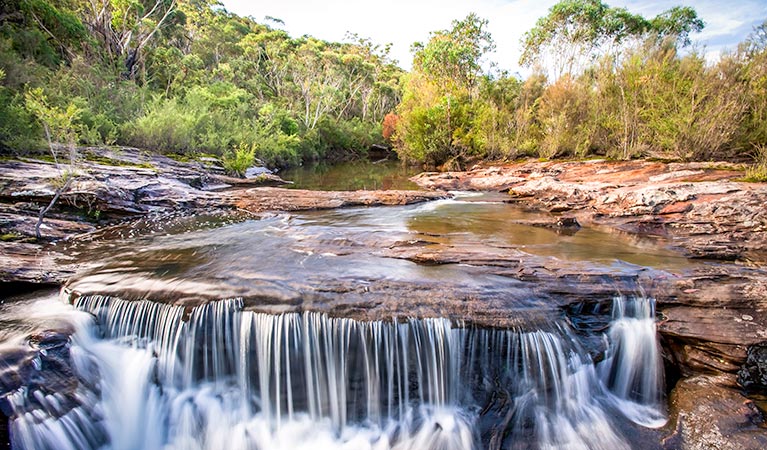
354, 241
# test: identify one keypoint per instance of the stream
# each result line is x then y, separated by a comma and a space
359, 328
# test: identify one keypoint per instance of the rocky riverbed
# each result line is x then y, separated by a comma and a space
701, 206
712, 319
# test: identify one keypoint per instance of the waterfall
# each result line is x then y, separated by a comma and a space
158, 376
632, 369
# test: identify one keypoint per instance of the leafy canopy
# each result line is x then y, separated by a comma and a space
576, 32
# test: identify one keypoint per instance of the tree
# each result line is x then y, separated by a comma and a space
61, 127
677, 23
455, 56
437, 114
126, 27
576, 32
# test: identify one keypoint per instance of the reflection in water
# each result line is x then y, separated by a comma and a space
483, 219
308, 249
352, 176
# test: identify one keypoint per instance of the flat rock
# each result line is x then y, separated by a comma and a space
276, 199
700, 206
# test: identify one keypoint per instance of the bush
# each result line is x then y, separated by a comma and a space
167, 126
341, 140
18, 128
238, 161
691, 112
564, 117
757, 172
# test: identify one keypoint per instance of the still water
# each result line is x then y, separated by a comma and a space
352, 176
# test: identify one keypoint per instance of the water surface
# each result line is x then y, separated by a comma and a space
351, 176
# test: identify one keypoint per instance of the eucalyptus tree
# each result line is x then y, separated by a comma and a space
124, 28
575, 33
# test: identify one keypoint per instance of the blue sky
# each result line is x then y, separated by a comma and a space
402, 22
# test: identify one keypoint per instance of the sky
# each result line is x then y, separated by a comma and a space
403, 22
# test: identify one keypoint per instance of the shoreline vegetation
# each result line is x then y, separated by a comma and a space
190, 78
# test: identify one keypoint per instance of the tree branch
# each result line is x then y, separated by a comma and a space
55, 198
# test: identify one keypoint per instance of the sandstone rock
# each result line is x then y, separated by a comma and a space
275, 199
699, 206
705, 414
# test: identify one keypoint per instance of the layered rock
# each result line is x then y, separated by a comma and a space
710, 315
116, 185
701, 207
713, 320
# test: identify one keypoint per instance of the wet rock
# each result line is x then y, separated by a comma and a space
702, 318
275, 199
568, 222
563, 225
254, 172
705, 413
50, 339
753, 374
699, 206
122, 184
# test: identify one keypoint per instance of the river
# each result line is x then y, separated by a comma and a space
360, 328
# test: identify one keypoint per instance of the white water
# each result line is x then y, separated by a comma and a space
632, 368
155, 376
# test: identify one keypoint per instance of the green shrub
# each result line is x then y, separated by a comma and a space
757, 172
565, 118
166, 126
18, 128
347, 139
238, 161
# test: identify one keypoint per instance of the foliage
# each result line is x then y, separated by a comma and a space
241, 159
187, 77
62, 125
389, 126
576, 32
622, 90
564, 117
454, 56
757, 172
440, 103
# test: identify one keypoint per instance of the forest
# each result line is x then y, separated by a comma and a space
187, 77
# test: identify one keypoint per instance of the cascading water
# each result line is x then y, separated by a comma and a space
632, 369
148, 376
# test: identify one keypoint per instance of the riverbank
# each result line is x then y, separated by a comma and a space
701, 207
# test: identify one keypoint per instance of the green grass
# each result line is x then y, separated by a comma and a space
756, 174
106, 161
